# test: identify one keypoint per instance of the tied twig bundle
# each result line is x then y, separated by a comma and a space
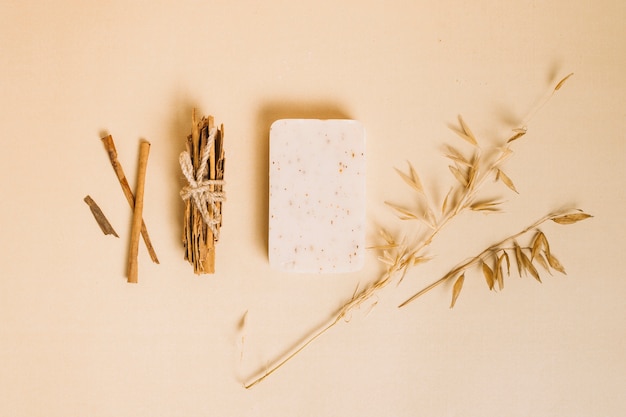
202, 165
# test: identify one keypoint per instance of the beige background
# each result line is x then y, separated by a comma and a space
77, 340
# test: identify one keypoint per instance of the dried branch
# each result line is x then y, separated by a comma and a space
524, 263
398, 257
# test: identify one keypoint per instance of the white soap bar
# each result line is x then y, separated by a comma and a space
317, 195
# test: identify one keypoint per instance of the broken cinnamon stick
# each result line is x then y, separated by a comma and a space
135, 231
119, 172
101, 219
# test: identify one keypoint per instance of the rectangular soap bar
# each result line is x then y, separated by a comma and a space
317, 195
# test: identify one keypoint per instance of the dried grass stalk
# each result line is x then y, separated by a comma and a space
398, 257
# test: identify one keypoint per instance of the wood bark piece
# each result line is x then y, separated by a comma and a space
205, 190
144, 151
101, 219
119, 172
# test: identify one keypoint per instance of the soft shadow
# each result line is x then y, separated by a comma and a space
269, 113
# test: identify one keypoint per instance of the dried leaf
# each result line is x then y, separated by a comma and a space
501, 176
488, 205
386, 259
560, 83
467, 133
459, 176
539, 258
387, 236
508, 262
537, 244
528, 265
444, 205
429, 218
457, 156
488, 273
571, 218
555, 264
406, 213
456, 290
471, 175
499, 278
416, 260
504, 155
517, 133
518, 258
412, 179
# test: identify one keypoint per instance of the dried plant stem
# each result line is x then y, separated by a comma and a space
290, 356
144, 151
354, 302
478, 258
470, 174
121, 177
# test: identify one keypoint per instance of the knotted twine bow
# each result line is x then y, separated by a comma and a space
201, 190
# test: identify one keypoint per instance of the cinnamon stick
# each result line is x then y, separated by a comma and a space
144, 150
119, 172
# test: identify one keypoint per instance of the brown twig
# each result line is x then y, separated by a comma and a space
119, 172
144, 151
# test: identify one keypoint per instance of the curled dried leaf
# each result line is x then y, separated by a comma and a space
488, 273
517, 133
501, 176
456, 289
505, 256
571, 218
560, 83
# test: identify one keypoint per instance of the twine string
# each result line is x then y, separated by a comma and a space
206, 193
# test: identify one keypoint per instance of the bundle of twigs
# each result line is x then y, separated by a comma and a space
203, 166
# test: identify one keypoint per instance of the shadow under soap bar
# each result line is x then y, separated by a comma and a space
317, 195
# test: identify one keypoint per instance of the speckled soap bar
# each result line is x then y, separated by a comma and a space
317, 195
